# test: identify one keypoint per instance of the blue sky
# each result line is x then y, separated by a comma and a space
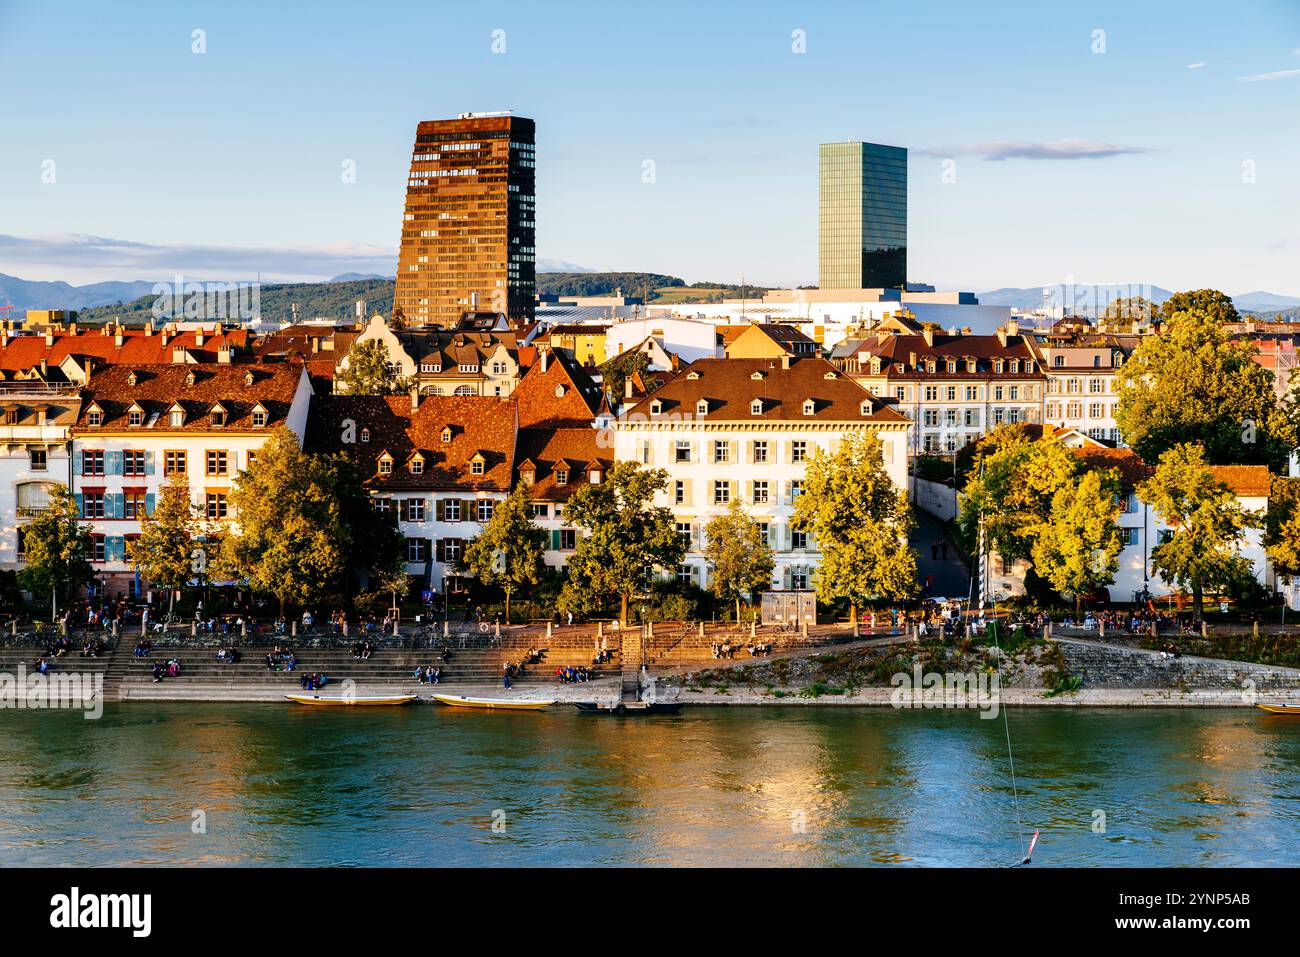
229, 161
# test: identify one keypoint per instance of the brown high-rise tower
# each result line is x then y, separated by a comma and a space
468, 234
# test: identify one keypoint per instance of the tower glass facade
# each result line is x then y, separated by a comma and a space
862, 222
469, 228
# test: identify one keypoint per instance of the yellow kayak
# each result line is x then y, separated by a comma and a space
370, 701
1280, 708
503, 704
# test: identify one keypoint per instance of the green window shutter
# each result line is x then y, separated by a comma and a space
555, 539
148, 502
81, 510
441, 511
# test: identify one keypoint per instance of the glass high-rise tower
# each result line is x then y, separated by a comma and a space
862, 222
468, 231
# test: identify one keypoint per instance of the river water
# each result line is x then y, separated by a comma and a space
265, 784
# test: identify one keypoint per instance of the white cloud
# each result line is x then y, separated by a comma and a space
80, 258
1275, 75
1063, 149
1196, 66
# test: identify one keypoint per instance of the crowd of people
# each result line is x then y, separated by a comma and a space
281, 658
313, 681
428, 674
170, 669
572, 674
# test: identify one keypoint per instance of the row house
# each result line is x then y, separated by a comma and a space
728, 429
138, 426
954, 387
1141, 526
440, 463
445, 362
1081, 391
554, 463
36, 420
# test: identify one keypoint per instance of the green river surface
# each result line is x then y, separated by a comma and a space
712, 786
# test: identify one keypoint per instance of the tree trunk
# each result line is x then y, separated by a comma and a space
737, 609
1198, 600
853, 614
622, 613
507, 606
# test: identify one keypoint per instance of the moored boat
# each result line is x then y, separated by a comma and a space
495, 704
629, 708
1280, 708
352, 701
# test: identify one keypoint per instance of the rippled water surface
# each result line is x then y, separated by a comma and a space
729, 786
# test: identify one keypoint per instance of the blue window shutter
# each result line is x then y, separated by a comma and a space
148, 503
114, 548
80, 508
148, 463
116, 504
76, 464
113, 462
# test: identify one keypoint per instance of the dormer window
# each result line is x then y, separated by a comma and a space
132, 379
1029, 366
218, 416
95, 416
970, 365
476, 465
809, 407
998, 365
1058, 361
952, 365
446, 435
365, 435
593, 476
561, 476
135, 416
417, 465
559, 391
1015, 365
189, 378
929, 365
702, 407
528, 476
865, 408
756, 407
248, 378
385, 464
260, 416
176, 416
656, 407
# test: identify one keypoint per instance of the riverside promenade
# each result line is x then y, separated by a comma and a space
671, 659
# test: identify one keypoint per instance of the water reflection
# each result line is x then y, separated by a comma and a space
796, 786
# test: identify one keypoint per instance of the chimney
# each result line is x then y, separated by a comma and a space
543, 355
119, 337
49, 337
911, 359
1002, 337
1013, 327
72, 328
198, 337
44, 367
223, 354
627, 388
415, 400
148, 328
178, 355
166, 338
928, 334
785, 360
315, 344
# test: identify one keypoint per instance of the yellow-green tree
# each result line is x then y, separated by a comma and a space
509, 550
304, 524
1077, 548
166, 550
739, 558
625, 535
56, 547
860, 521
369, 372
1205, 520
1282, 526
1195, 383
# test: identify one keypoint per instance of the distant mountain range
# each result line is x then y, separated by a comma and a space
335, 297
1092, 299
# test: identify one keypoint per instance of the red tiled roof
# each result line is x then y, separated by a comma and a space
549, 449
730, 385
158, 387
536, 393
23, 352
479, 424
